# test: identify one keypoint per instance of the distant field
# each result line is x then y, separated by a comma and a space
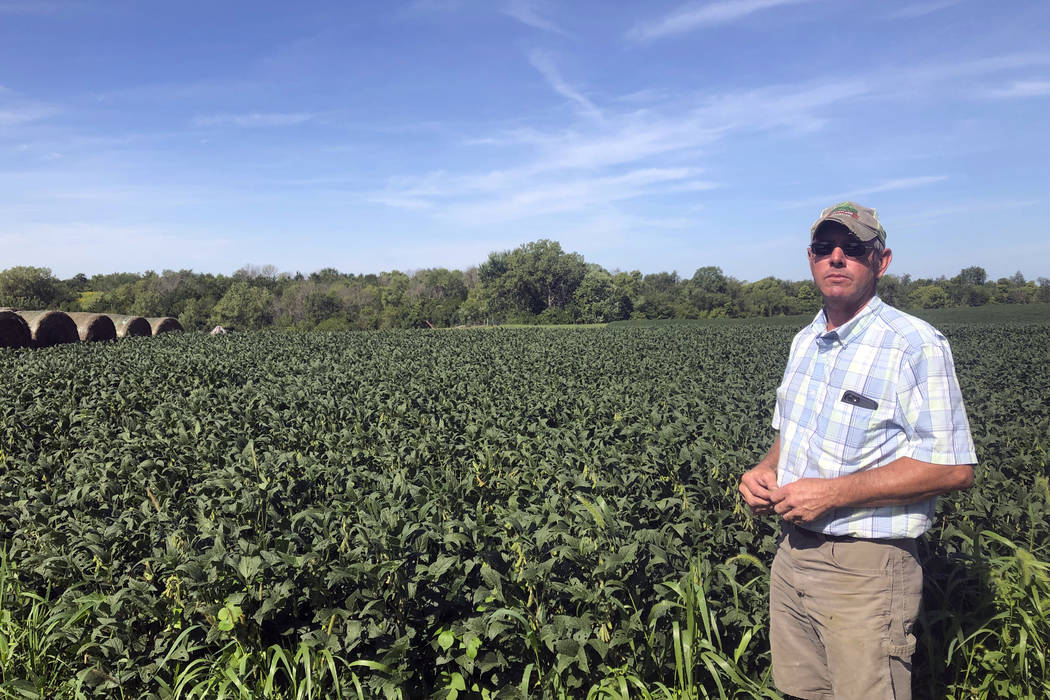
557, 325
990, 313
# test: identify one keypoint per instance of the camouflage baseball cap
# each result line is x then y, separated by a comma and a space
862, 222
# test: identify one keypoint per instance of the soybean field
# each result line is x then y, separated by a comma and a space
477, 513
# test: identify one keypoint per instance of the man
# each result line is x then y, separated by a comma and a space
871, 430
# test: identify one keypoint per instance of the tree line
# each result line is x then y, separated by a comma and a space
536, 283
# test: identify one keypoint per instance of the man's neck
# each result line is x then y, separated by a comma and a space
838, 313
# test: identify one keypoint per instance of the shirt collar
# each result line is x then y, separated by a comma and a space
848, 330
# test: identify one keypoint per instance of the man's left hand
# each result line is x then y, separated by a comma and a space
805, 500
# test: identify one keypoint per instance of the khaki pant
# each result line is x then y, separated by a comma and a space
841, 613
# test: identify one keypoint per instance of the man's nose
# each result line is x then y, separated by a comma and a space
837, 257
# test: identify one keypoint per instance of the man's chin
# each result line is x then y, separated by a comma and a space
845, 297
838, 292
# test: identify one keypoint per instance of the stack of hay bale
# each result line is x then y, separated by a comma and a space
42, 329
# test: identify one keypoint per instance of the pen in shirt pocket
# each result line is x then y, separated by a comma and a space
859, 400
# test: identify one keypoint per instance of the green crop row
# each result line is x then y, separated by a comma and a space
491, 513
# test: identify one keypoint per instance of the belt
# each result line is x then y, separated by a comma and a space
792, 530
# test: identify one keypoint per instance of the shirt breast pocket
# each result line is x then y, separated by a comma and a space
864, 419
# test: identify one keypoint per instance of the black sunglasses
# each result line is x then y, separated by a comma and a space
853, 249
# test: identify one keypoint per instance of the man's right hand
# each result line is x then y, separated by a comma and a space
758, 483
757, 486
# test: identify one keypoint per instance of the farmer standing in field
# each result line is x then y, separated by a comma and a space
871, 429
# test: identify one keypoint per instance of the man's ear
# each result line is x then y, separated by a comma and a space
883, 263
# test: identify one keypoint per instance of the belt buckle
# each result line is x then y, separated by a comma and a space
803, 534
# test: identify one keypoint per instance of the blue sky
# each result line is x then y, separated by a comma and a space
657, 136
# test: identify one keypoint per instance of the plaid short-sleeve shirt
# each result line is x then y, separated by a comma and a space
879, 387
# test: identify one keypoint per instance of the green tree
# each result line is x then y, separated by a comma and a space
244, 307
1012, 290
531, 278
710, 279
435, 295
327, 275
33, 288
109, 282
196, 313
808, 297
1043, 294
600, 300
967, 288
708, 291
766, 297
290, 308
78, 283
475, 309
973, 276
392, 288
660, 296
322, 305
363, 301
929, 296
894, 289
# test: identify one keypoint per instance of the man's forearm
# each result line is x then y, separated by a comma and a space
901, 482
772, 456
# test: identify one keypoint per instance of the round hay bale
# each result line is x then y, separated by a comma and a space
92, 327
165, 324
14, 331
131, 326
50, 328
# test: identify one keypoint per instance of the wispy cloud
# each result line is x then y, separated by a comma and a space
254, 119
966, 209
903, 183
400, 202
620, 150
937, 72
531, 12
15, 110
921, 9
695, 16
544, 63
624, 154
981, 78
574, 194
645, 96
1021, 89
23, 114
